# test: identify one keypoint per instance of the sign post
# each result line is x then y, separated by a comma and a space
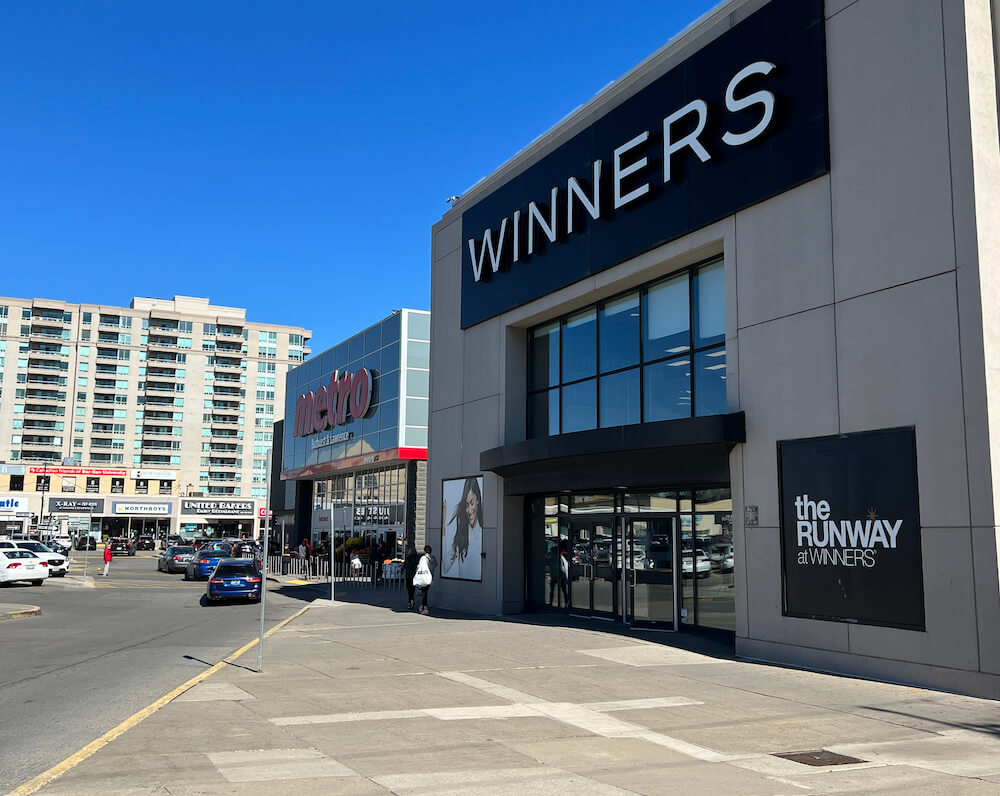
263, 564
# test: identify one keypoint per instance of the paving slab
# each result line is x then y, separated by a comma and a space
366, 699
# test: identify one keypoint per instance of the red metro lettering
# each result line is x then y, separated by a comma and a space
329, 406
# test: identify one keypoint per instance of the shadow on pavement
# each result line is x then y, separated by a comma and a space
720, 645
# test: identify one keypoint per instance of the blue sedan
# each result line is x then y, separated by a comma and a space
234, 579
203, 563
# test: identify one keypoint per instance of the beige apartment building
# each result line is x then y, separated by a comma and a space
155, 417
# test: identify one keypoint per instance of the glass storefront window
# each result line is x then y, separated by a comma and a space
619, 399
648, 502
579, 406
544, 368
591, 504
710, 382
709, 305
579, 346
543, 413
667, 390
619, 333
666, 323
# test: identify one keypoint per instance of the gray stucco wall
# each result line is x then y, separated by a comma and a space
854, 302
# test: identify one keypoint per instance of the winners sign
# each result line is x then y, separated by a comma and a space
850, 529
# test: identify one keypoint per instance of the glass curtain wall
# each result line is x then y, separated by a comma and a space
657, 353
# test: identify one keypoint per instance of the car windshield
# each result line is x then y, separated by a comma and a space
38, 547
236, 571
205, 555
18, 554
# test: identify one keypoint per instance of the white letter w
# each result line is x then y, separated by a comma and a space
477, 262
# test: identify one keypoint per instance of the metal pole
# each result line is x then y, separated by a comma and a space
263, 568
45, 489
86, 544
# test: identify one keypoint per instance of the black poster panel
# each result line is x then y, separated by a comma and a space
704, 184
850, 528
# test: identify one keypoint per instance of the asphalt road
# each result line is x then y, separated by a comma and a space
96, 656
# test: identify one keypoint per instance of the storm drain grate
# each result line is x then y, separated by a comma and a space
819, 757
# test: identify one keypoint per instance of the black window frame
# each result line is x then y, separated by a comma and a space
690, 354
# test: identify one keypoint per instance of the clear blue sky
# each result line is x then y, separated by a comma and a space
289, 158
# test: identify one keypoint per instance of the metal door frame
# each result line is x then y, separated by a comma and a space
627, 600
609, 521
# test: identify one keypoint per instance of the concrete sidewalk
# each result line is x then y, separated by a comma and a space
361, 698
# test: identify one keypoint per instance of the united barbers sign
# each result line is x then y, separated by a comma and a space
850, 529
741, 120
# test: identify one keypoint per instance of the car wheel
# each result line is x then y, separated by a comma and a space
37, 582
186, 575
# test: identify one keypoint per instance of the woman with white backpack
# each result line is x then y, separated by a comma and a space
424, 576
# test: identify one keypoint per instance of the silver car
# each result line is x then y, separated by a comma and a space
175, 558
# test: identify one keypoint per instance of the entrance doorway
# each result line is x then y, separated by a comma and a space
651, 582
661, 560
594, 568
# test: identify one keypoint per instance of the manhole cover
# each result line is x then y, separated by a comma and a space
819, 757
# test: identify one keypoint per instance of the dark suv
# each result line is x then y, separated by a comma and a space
145, 543
122, 547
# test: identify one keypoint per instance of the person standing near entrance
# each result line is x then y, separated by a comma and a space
409, 570
107, 558
424, 576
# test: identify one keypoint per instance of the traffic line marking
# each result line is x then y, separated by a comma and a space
74, 760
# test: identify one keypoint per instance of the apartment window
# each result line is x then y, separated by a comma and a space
296, 339
88, 317
267, 337
209, 329
648, 355
185, 326
85, 334
26, 313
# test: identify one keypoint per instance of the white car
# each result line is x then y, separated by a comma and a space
18, 564
57, 563
698, 562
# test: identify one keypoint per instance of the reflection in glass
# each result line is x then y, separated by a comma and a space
544, 357
643, 502
620, 398
591, 504
667, 390
666, 323
710, 382
619, 330
418, 354
543, 413
579, 346
419, 326
710, 305
579, 406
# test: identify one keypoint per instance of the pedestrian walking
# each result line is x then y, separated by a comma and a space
301, 551
107, 558
424, 576
410, 563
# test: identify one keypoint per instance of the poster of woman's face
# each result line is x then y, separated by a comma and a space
462, 528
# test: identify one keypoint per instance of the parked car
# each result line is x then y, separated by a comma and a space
61, 543
145, 543
121, 546
58, 564
17, 564
174, 559
727, 563
85, 543
203, 562
696, 562
234, 579
718, 552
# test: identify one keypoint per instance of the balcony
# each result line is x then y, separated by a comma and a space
50, 319
158, 431
106, 370
45, 395
42, 425
159, 400
224, 422
159, 446
44, 411
159, 461
228, 378
224, 466
235, 332
221, 389
222, 491
162, 342
224, 478
104, 444
224, 451
38, 333
41, 456
46, 353
169, 327
160, 417
47, 365
105, 431
40, 442
101, 398
224, 435
161, 373
47, 380
162, 356
155, 386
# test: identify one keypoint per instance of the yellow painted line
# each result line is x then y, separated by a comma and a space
94, 746
298, 582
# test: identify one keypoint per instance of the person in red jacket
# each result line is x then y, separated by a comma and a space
107, 558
